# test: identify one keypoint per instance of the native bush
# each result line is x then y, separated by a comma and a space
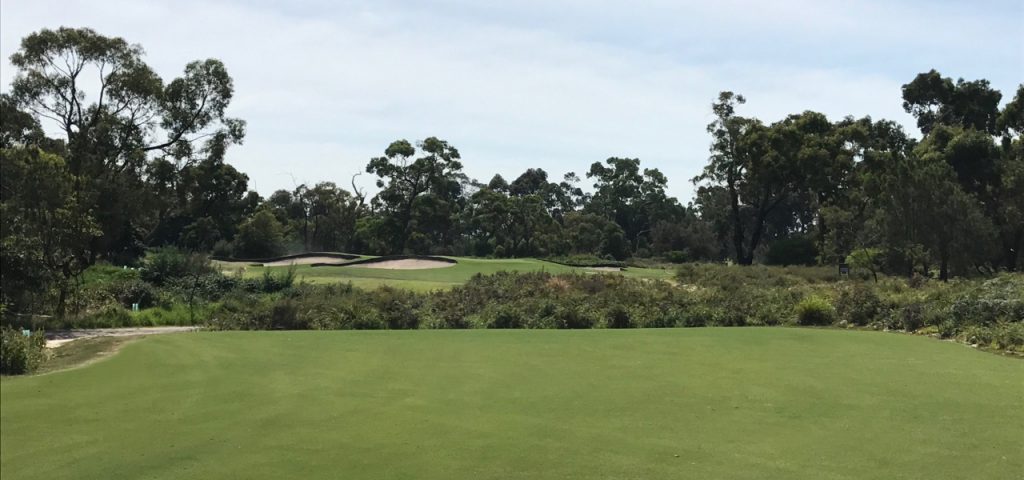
398, 309
133, 291
858, 304
815, 310
712, 295
617, 317
20, 354
503, 316
165, 264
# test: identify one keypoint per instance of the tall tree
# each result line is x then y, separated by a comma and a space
116, 114
633, 199
419, 197
937, 100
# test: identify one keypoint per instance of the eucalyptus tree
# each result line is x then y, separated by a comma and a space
633, 199
116, 115
421, 197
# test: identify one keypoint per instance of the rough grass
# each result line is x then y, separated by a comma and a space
738, 403
435, 279
81, 352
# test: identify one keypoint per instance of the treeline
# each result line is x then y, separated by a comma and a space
139, 162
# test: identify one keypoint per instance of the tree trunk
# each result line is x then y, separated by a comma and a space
737, 224
1011, 250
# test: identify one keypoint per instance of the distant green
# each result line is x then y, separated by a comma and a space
439, 278
721, 403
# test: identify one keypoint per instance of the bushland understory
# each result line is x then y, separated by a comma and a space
987, 312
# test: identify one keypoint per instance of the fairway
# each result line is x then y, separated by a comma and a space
727, 403
436, 278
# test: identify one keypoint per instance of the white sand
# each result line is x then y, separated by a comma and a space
605, 269
406, 264
305, 261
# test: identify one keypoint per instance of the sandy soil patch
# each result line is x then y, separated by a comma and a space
56, 339
406, 264
306, 261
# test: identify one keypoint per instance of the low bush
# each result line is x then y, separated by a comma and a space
858, 304
676, 256
20, 354
707, 295
163, 265
109, 316
815, 310
618, 317
133, 291
586, 261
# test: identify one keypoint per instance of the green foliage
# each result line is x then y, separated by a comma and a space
729, 277
20, 354
858, 304
584, 260
869, 259
815, 310
795, 250
260, 237
134, 291
676, 256
164, 265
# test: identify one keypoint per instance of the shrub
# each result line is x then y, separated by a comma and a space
397, 308
210, 286
913, 316
165, 264
1009, 336
504, 316
676, 256
20, 354
815, 310
858, 305
572, 316
270, 282
127, 292
617, 317
978, 335
109, 316
582, 260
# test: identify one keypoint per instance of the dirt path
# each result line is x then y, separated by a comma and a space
58, 338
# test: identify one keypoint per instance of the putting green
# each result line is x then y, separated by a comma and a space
436, 278
726, 403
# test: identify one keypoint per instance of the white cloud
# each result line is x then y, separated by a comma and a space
325, 86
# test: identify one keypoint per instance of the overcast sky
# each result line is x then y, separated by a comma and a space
325, 85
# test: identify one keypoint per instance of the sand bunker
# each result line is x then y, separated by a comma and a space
605, 269
406, 264
306, 261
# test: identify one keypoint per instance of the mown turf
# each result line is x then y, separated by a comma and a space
688, 403
434, 278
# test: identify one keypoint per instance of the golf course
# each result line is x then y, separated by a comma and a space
426, 279
725, 403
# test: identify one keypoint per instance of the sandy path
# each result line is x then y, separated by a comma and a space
58, 338
406, 264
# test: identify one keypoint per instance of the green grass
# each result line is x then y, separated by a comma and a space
686, 403
436, 278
